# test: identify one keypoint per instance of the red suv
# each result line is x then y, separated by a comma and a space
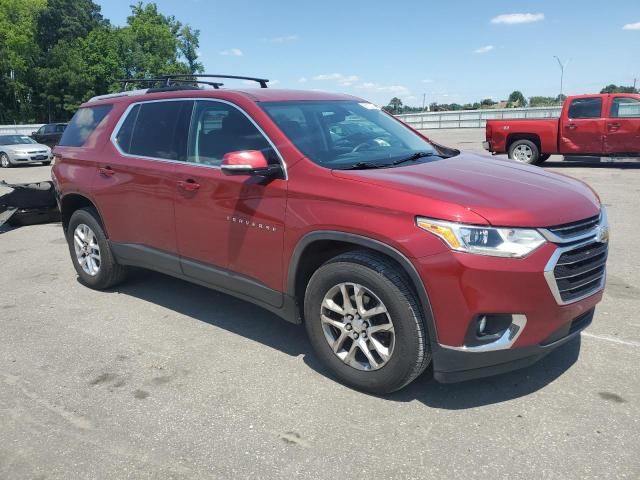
395, 252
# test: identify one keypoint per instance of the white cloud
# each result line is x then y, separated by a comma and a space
234, 52
302, 79
632, 26
283, 39
427, 80
345, 80
516, 18
485, 49
376, 87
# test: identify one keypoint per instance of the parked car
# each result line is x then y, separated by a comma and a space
395, 252
49, 134
21, 150
589, 125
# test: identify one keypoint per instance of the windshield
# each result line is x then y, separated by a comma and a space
350, 134
15, 140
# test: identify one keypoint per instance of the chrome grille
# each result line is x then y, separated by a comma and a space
577, 271
574, 229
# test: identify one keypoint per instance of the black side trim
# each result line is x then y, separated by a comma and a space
373, 244
208, 276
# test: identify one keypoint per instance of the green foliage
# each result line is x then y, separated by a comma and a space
619, 89
546, 101
516, 99
56, 54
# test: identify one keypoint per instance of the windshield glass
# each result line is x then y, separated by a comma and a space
15, 140
350, 134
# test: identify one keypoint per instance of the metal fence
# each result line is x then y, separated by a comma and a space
474, 118
19, 129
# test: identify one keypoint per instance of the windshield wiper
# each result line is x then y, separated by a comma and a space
415, 156
365, 166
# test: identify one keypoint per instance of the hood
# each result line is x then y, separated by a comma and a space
27, 147
504, 192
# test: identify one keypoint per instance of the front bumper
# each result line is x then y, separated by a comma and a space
463, 288
25, 157
458, 366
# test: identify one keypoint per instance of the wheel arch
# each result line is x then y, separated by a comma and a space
75, 201
316, 248
532, 137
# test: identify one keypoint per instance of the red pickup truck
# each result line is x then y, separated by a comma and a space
589, 125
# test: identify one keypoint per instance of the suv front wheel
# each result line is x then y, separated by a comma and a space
90, 251
364, 322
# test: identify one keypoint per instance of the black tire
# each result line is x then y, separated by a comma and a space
543, 158
527, 144
46, 164
110, 273
4, 160
411, 354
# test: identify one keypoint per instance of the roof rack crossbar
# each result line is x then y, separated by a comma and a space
262, 81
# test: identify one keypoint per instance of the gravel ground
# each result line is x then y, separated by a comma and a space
162, 379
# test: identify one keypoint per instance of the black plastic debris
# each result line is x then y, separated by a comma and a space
28, 204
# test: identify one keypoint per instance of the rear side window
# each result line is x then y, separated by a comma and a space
157, 130
83, 123
585, 108
625, 107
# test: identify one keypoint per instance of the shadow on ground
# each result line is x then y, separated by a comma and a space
253, 322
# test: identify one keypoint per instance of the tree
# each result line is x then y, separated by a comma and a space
487, 103
66, 20
395, 105
516, 99
188, 43
618, 89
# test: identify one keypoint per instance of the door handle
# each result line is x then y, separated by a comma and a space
106, 171
188, 185
613, 126
572, 126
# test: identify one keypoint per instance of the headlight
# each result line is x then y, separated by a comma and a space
496, 242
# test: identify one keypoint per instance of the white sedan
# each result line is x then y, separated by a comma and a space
20, 149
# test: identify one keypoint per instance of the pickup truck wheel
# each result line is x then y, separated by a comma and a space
90, 252
364, 323
4, 160
524, 151
543, 158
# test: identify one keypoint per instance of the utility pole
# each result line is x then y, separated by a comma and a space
562, 65
635, 82
424, 97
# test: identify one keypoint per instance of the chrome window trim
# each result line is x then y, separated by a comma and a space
125, 114
551, 279
505, 342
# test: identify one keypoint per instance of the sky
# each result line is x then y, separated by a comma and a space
447, 51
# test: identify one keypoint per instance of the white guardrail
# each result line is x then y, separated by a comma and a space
420, 121
474, 118
19, 129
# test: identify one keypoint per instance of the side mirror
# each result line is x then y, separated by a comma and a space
247, 162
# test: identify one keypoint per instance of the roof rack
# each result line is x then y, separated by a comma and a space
262, 81
167, 81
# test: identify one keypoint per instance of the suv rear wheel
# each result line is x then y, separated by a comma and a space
90, 252
364, 322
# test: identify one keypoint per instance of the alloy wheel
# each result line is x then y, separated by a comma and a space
523, 153
357, 326
4, 160
87, 249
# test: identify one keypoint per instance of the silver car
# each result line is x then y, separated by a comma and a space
20, 149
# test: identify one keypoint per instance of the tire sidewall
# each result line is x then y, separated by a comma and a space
534, 149
403, 359
98, 281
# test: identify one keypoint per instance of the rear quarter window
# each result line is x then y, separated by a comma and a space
83, 123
